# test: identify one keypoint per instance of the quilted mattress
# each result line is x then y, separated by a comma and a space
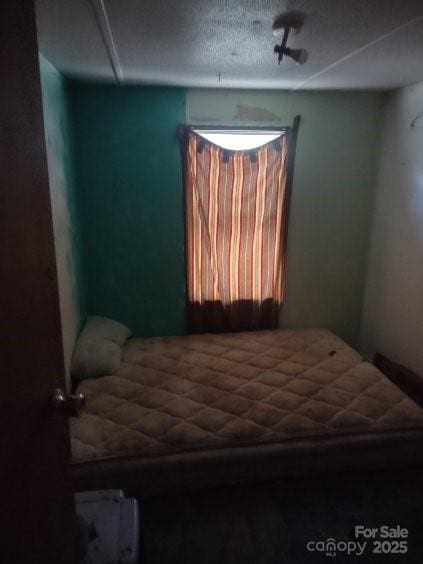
224, 405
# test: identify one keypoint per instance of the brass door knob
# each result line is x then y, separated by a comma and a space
63, 404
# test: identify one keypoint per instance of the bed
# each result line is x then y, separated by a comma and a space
200, 410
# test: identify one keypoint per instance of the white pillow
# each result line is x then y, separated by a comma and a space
98, 350
104, 328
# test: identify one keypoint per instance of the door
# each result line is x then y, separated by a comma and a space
36, 504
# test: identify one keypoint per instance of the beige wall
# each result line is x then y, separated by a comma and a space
393, 306
332, 196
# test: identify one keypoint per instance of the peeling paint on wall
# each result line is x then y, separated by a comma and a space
418, 120
255, 114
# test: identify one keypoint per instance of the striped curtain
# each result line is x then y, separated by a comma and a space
236, 216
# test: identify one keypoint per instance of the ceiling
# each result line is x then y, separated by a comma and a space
352, 44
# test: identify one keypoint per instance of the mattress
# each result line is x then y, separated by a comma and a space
220, 407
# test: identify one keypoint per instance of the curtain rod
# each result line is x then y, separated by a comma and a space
236, 128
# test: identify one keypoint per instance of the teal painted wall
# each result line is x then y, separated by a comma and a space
130, 187
332, 199
63, 196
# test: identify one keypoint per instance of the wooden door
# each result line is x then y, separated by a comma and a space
36, 507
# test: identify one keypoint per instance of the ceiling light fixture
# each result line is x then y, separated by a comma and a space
281, 28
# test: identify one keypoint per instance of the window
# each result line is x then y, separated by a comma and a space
236, 212
239, 140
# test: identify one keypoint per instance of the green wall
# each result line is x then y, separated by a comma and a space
130, 188
332, 199
58, 132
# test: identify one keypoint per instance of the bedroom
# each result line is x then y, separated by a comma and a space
125, 87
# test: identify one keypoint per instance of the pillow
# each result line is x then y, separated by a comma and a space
98, 350
103, 328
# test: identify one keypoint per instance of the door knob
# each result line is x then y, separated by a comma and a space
63, 404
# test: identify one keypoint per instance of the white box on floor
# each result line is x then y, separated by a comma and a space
110, 527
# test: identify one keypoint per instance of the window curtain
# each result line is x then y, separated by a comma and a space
236, 214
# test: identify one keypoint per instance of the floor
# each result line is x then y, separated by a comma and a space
271, 523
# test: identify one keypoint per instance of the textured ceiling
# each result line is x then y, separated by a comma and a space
362, 44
